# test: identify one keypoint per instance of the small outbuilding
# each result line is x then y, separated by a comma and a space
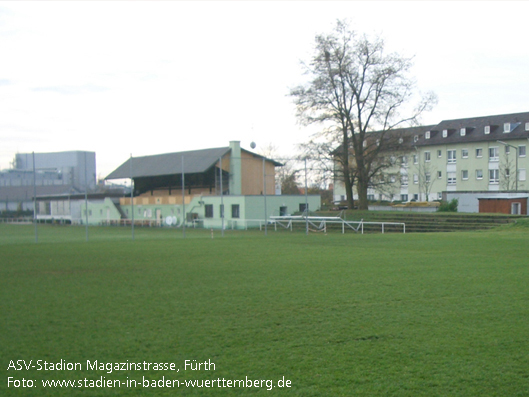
508, 203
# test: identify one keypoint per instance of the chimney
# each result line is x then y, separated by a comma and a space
235, 168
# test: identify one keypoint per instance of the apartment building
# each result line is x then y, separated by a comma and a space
485, 154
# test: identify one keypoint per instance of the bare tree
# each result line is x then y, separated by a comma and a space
354, 89
426, 178
507, 173
286, 175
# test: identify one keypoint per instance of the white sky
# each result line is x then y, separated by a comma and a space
154, 77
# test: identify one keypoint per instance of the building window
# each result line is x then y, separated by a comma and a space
416, 197
235, 211
494, 177
479, 153
487, 129
479, 174
521, 150
439, 196
494, 154
507, 149
451, 178
208, 211
527, 126
439, 153
404, 180
506, 128
427, 177
414, 159
451, 154
463, 131
403, 197
464, 175
415, 138
427, 135
371, 197
521, 174
439, 174
404, 161
221, 208
445, 133
464, 153
415, 178
426, 156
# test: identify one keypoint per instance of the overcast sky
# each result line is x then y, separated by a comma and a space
141, 78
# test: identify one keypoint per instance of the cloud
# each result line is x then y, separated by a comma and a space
5, 82
71, 89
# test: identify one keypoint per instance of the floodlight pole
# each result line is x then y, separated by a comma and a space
183, 200
86, 197
34, 200
306, 202
221, 200
264, 195
515, 148
131, 197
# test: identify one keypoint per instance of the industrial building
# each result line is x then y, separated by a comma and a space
70, 172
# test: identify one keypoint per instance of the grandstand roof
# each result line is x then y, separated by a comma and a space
195, 161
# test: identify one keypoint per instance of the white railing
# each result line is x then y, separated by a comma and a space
320, 223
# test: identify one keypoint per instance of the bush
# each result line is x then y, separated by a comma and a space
448, 206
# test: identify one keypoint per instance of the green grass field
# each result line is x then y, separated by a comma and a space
337, 315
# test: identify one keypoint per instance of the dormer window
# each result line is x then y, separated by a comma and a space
506, 128
487, 130
463, 131
415, 138
445, 133
427, 135
527, 126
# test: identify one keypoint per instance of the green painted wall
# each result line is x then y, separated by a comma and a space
249, 208
100, 212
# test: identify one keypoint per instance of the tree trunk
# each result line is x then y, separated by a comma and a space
361, 187
349, 192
